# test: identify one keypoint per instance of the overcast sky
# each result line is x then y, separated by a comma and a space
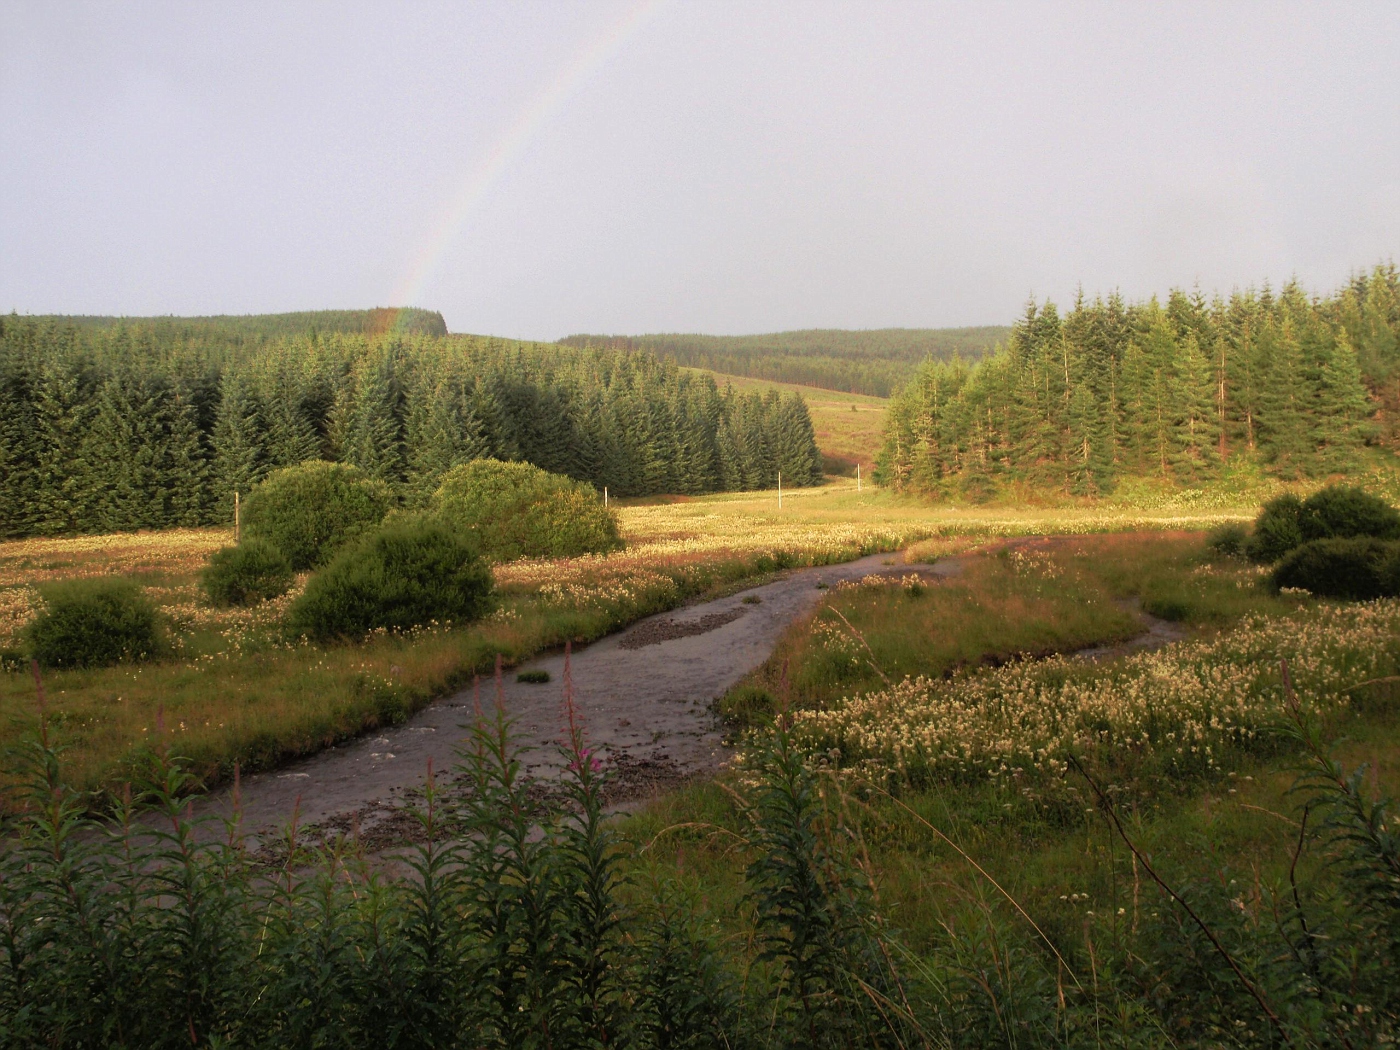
533, 170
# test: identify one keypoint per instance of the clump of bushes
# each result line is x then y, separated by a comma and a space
1277, 530
312, 509
405, 574
516, 510
254, 571
93, 623
1230, 539
1356, 568
1336, 512
536, 677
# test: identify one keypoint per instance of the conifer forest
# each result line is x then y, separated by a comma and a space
872, 361
148, 424
1173, 392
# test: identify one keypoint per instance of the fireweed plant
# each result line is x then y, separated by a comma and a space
521, 920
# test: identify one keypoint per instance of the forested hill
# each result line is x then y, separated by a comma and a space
871, 361
1174, 392
104, 428
239, 330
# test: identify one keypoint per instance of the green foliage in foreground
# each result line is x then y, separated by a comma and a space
406, 574
253, 571
515, 510
311, 510
515, 927
92, 623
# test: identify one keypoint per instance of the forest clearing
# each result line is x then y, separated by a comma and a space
833, 526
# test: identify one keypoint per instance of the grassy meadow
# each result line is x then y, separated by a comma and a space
944, 754
849, 427
232, 689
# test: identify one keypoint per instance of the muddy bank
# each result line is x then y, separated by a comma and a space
644, 695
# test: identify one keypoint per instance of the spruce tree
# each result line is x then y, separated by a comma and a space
369, 420
1194, 420
240, 460
1283, 425
441, 431
19, 443
1342, 411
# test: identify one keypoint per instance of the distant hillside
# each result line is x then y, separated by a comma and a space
255, 329
870, 361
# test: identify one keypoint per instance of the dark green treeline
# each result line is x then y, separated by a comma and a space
1170, 392
869, 361
112, 428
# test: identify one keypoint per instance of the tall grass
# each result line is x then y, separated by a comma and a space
537, 929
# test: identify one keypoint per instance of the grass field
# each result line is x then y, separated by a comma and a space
987, 850
933, 766
849, 427
232, 689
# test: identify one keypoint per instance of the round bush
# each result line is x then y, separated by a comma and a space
92, 623
515, 510
1230, 539
254, 571
312, 509
405, 574
1338, 511
1277, 530
1355, 568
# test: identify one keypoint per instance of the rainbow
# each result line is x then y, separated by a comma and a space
509, 146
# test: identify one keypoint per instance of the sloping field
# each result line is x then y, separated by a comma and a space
848, 426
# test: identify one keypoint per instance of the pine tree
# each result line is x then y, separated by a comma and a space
1194, 436
441, 432
1342, 411
291, 434
1283, 429
19, 451
794, 443
240, 460
369, 420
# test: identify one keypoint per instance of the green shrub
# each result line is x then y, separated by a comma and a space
515, 510
92, 623
405, 574
533, 677
1230, 540
312, 509
1355, 567
1338, 511
1277, 530
254, 571
1335, 512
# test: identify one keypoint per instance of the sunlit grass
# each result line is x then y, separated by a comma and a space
849, 427
235, 690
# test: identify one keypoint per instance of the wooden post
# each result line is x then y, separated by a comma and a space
237, 519
605, 497
780, 490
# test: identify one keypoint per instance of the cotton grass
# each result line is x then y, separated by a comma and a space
1184, 703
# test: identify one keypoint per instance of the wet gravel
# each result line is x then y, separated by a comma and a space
644, 696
